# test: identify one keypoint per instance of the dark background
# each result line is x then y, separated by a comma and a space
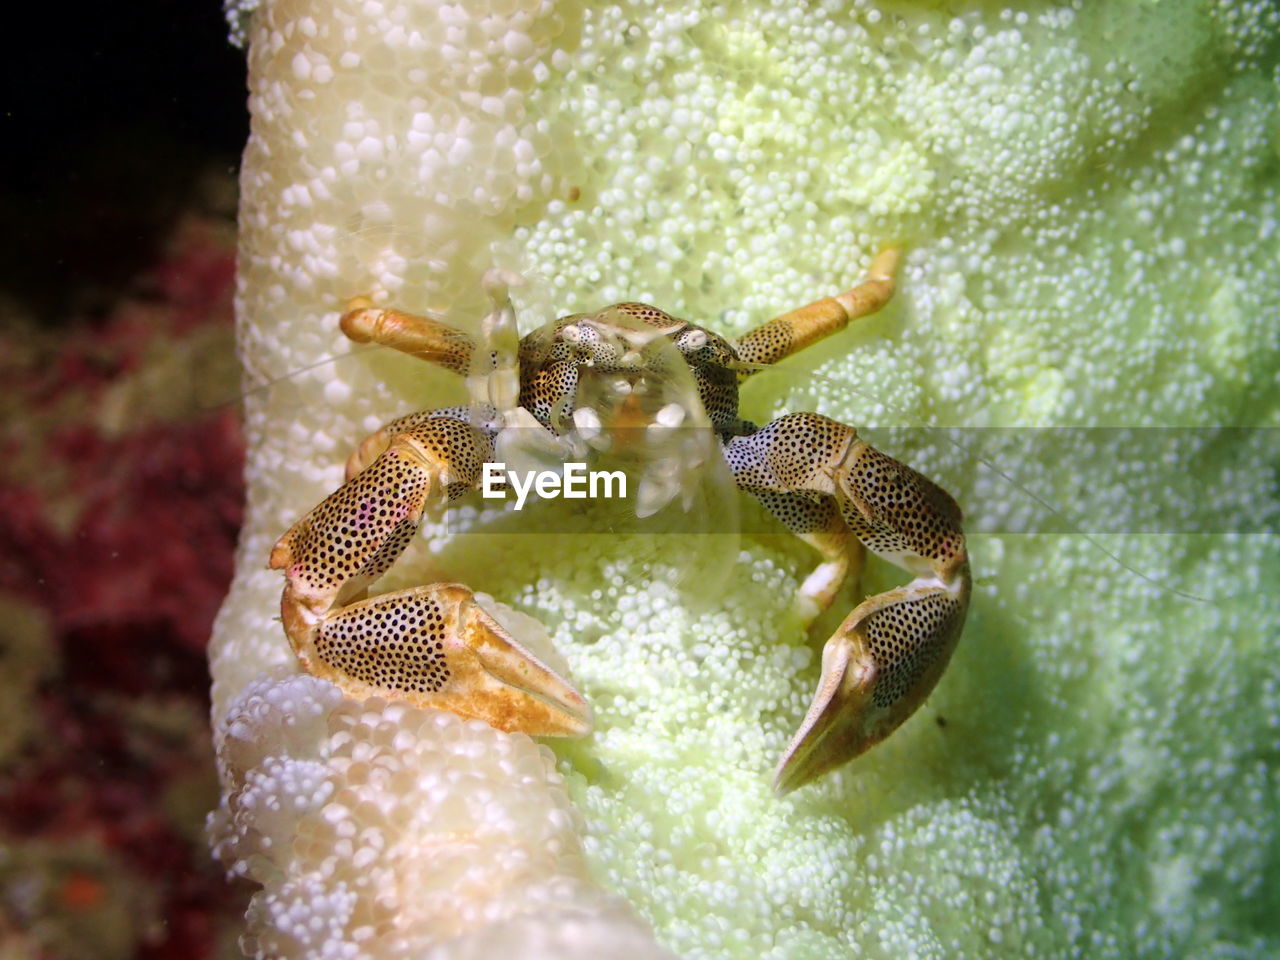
116, 115
121, 462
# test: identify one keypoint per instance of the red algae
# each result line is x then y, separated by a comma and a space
121, 498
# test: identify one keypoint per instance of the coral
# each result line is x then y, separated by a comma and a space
120, 500
449, 825
1089, 196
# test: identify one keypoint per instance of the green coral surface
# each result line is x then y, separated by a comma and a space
1089, 196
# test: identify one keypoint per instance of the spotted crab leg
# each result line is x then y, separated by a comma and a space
489, 363
887, 655
434, 645
792, 332
419, 336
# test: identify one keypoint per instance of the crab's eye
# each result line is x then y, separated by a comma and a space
691, 340
699, 347
593, 346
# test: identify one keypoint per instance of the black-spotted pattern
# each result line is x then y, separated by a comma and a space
767, 343
910, 633
717, 382
894, 510
394, 644
642, 312
788, 454
802, 513
908, 638
480, 414
798, 329
891, 508
361, 528
542, 391
460, 446
548, 373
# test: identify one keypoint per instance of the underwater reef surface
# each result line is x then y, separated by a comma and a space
1088, 194
120, 501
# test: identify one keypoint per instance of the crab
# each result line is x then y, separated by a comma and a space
572, 388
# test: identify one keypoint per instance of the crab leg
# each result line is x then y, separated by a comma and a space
792, 332
376, 443
884, 659
423, 337
815, 519
432, 646
490, 365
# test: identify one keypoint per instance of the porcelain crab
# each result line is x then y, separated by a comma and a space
572, 387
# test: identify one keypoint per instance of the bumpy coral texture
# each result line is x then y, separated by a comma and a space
1089, 196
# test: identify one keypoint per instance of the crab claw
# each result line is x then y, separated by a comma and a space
435, 646
877, 668
430, 646
888, 654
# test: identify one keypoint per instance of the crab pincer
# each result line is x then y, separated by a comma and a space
887, 655
430, 646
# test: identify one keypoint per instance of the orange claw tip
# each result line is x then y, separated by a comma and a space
514, 690
836, 728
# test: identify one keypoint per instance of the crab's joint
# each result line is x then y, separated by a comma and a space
494, 375
843, 497
843, 557
792, 332
430, 646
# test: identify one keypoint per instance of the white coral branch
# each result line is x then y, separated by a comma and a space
377, 830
